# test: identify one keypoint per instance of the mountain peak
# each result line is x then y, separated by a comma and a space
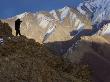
64, 12
97, 10
64, 9
53, 12
21, 15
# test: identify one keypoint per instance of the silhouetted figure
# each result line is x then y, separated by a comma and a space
17, 26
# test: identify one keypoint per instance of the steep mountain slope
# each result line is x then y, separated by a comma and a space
107, 37
94, 51
36, 25
97, 11
106, 30
24, 60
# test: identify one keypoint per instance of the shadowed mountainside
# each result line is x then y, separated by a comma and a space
93, 51
99, 61
62, 47
89, 32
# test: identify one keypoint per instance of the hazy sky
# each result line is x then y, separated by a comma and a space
9, 8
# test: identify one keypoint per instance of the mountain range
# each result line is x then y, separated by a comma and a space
81, 34
36, 25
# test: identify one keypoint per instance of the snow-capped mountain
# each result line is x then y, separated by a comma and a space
54, 14
105, 30
64, 12
21, 15
37, 25
98, 10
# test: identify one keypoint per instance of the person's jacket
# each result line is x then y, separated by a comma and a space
17, 24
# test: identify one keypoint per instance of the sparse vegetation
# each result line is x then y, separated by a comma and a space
24, 60
5, 30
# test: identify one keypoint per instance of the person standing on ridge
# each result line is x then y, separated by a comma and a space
17, 27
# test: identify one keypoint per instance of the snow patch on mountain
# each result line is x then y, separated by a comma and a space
21, 15
43, 20
50, 30
72, 16
99, 9
89, 7
54, 14
77, 22
64, 12
106, 29
80, 26
80, 9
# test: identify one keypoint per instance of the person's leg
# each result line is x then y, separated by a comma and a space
16, 32
19, 32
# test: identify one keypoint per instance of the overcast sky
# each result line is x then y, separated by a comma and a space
9, 8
